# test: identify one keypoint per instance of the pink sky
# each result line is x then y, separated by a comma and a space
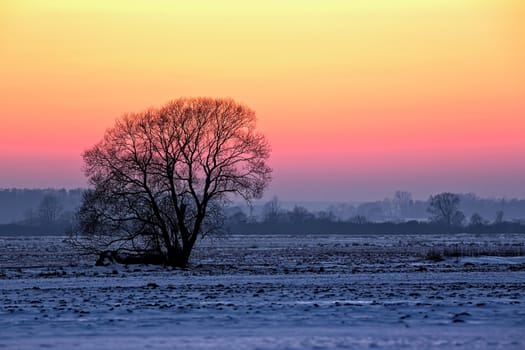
358, 99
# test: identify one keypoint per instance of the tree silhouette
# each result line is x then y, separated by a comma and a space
476, 220
403, 203
444, 208
160, 177
272, 211
49, 209
499, 217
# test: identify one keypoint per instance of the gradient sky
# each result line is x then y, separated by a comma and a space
358, 98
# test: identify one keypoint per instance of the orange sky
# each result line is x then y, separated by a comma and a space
358, 98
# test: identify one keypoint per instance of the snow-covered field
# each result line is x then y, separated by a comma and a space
269, 292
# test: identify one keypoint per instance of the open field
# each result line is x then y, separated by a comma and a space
271, 292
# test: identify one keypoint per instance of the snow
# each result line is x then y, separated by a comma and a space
266, 292
511, 260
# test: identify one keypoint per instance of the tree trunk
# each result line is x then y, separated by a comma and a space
178, 257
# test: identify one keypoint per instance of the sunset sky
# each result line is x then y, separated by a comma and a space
358, 98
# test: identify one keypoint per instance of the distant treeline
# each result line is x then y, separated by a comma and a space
52, 211
400, 207
33, 206
443, 211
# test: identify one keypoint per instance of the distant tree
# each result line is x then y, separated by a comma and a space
359, 219
49, 209
444, 209
272, 211
499, 217
326, 216
476, 220
403, 203
299, 215
159, 178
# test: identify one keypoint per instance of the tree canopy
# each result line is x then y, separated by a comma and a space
159, 177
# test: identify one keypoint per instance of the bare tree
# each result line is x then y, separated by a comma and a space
49, 209
499, 217
272, 211
160, 177
444, 208
476, 220
299, 215
403, 203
